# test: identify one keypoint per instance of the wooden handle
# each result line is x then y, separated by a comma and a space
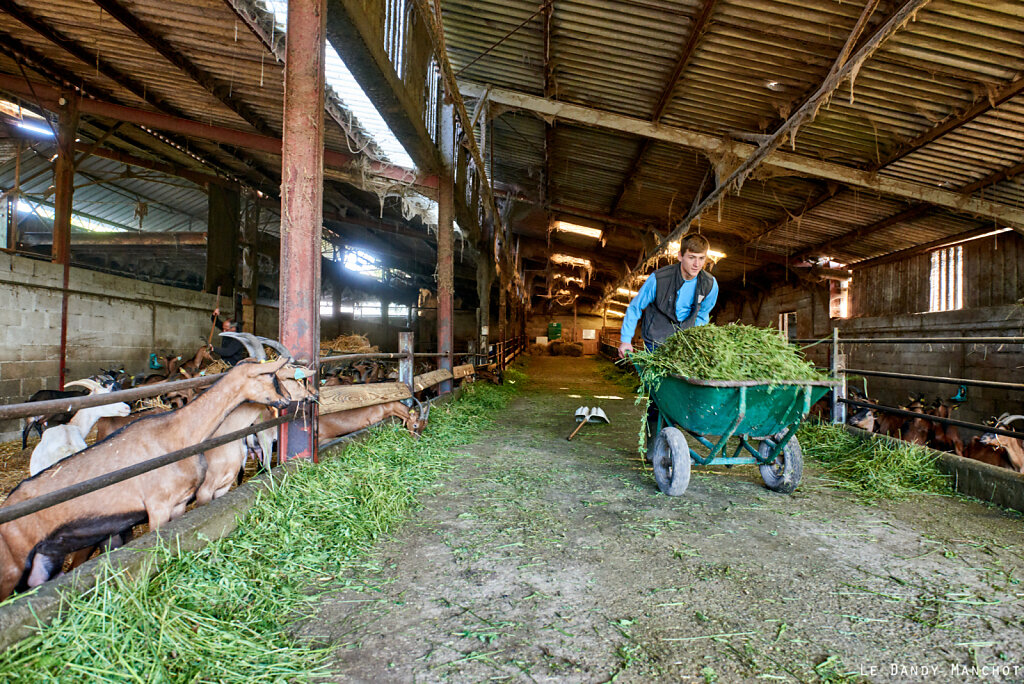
582, 423
213, 324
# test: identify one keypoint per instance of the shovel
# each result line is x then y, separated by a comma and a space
586, 415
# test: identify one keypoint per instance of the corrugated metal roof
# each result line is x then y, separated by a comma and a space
754, 64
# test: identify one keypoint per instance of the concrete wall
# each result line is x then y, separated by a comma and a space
111, 321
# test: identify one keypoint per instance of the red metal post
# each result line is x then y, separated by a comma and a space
64, 185
302, 176
445, 242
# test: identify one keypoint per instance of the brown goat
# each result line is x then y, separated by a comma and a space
341, 423
34, 546
945, 437
986, 451
224, 462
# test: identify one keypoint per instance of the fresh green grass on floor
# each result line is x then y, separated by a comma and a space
873, 468
223, 613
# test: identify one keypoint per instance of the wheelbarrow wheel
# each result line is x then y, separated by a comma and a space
784, 474
670, 457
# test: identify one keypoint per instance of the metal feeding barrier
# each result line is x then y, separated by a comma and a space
20, 410
838, 370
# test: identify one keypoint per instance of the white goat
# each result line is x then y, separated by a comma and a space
61, 441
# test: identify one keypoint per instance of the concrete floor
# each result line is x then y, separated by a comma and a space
538, 559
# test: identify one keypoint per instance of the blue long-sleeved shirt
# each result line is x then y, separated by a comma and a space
684, 301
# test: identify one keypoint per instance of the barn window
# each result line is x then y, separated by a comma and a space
946, 281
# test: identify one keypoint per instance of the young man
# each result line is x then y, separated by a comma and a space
672, 298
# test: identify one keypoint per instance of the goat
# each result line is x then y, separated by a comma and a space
224, 463
96, 384
34, 546
984, 449
945, 437
1013, 446
916, 430
61, 441
201, 357
333, 425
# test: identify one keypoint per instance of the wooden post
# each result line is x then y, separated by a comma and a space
838, 363
446, 244
302, 183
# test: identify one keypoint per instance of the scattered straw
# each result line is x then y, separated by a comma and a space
157, 403
215, 368
348, 344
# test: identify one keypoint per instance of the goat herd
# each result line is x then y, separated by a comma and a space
991, 448
36, 547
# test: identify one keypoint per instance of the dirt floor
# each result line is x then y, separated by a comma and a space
538, 559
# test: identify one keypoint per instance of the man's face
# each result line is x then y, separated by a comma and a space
229, 327
692, 263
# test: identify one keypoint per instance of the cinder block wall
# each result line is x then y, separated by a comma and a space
111, 320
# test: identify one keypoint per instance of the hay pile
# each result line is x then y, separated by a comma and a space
538, 350
726, 352
347, 344
560, 348
218, 366
157, 403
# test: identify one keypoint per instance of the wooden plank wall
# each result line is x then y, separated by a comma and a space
887, 289
993, 273
993, 276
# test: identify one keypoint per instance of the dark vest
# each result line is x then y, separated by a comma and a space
659, 318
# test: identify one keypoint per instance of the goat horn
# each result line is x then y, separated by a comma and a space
254, 348
278, 347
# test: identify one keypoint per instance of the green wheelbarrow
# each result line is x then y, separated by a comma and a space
765, 413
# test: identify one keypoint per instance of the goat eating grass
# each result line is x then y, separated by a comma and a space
33, 548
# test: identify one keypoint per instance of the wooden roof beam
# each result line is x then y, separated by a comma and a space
782, 163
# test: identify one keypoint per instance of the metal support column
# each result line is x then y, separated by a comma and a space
64, 186
446, 243
405, 364
839, 393
502, 315
302, 174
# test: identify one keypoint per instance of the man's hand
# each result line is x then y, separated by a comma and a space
624, 347
216, 312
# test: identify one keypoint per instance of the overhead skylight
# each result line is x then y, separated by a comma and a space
44, 211
714, 255
566, 227
340, 78
624, 291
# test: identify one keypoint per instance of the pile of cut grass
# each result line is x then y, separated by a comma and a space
725, 352
719, 352
873, 468
223, 613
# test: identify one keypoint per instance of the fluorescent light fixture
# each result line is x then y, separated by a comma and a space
566, 227
570, 260
624, 291
617, 314
715, 255
568, 278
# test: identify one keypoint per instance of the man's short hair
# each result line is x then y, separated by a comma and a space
693, 242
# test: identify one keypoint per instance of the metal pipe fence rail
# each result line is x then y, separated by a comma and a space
36, 408
991, 384
21, 509
914, 340
935, 419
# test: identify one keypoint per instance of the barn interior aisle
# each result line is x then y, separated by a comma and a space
538, 559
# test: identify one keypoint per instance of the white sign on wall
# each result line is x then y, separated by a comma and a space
589, 334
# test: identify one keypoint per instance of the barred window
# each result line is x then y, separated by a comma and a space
946, 279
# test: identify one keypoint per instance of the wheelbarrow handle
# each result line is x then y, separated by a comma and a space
582, 423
